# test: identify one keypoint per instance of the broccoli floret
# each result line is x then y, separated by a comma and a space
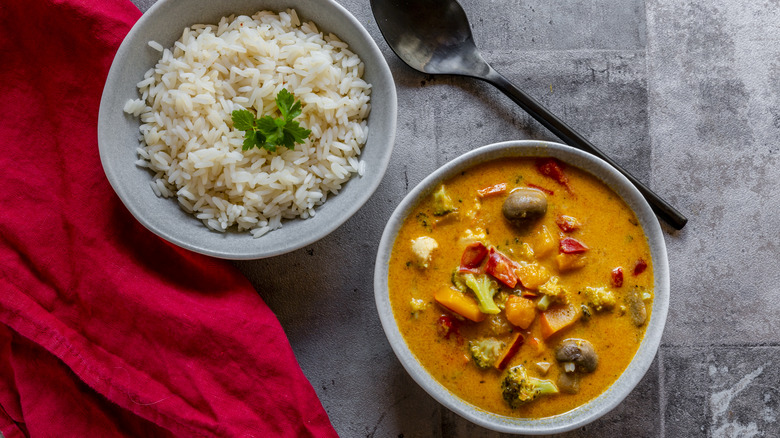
500, 299
586, 312
486, 351
458, 281
484, 289
442, 203
600, 298
552, 292
519, 388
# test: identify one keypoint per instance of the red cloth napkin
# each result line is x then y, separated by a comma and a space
105, 329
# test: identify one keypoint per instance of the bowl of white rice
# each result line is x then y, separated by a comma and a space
166, 131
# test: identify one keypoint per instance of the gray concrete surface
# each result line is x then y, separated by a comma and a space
685, 94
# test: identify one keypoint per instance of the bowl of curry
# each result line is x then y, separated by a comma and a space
525, 286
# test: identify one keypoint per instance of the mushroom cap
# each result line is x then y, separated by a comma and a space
579, 351
524, 205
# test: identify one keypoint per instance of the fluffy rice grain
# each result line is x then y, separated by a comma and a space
243, 62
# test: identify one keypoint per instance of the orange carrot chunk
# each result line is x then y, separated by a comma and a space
520, 311
532, 275
558, 318
569, 262
495, 189
459, 303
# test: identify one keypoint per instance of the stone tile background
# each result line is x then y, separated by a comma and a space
685, 94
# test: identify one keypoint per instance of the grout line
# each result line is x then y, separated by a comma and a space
661, 393
724, 345
649, 133
649, 87
562, 51
648, 108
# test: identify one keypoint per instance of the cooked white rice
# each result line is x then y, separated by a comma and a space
187, 135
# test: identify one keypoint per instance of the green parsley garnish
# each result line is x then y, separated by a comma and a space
268, 132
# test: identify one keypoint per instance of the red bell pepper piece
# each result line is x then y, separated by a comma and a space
501, 267
545, 190
570, 245
473, 256
640, 266
567, 224
617, 277
552, 168
495, 189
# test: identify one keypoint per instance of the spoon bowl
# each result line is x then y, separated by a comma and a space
441, 46
434, 37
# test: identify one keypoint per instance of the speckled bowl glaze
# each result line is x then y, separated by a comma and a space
118, 132
647, 350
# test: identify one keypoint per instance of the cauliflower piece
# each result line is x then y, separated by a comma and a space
469, 237
423, 247
552, 292
442, 203
600, 298
472, 213
417, 305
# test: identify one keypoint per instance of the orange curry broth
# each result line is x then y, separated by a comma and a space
610, 230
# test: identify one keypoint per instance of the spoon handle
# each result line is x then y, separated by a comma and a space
571, 137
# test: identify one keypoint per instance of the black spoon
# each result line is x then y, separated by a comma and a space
434, 37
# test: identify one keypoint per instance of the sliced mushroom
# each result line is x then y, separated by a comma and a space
569, 383
579, 351
524, 205
543, 367
636, 306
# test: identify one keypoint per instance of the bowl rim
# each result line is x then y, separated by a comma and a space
138, 35
647, 350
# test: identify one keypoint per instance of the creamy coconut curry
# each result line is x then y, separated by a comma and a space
524, 286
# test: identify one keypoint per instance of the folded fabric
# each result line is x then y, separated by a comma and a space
107, 330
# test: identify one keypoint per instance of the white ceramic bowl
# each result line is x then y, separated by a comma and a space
118, 133
648, 348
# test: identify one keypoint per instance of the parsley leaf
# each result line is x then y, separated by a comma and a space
268, 132
243, 120
285, 100
250, 140
294, 130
